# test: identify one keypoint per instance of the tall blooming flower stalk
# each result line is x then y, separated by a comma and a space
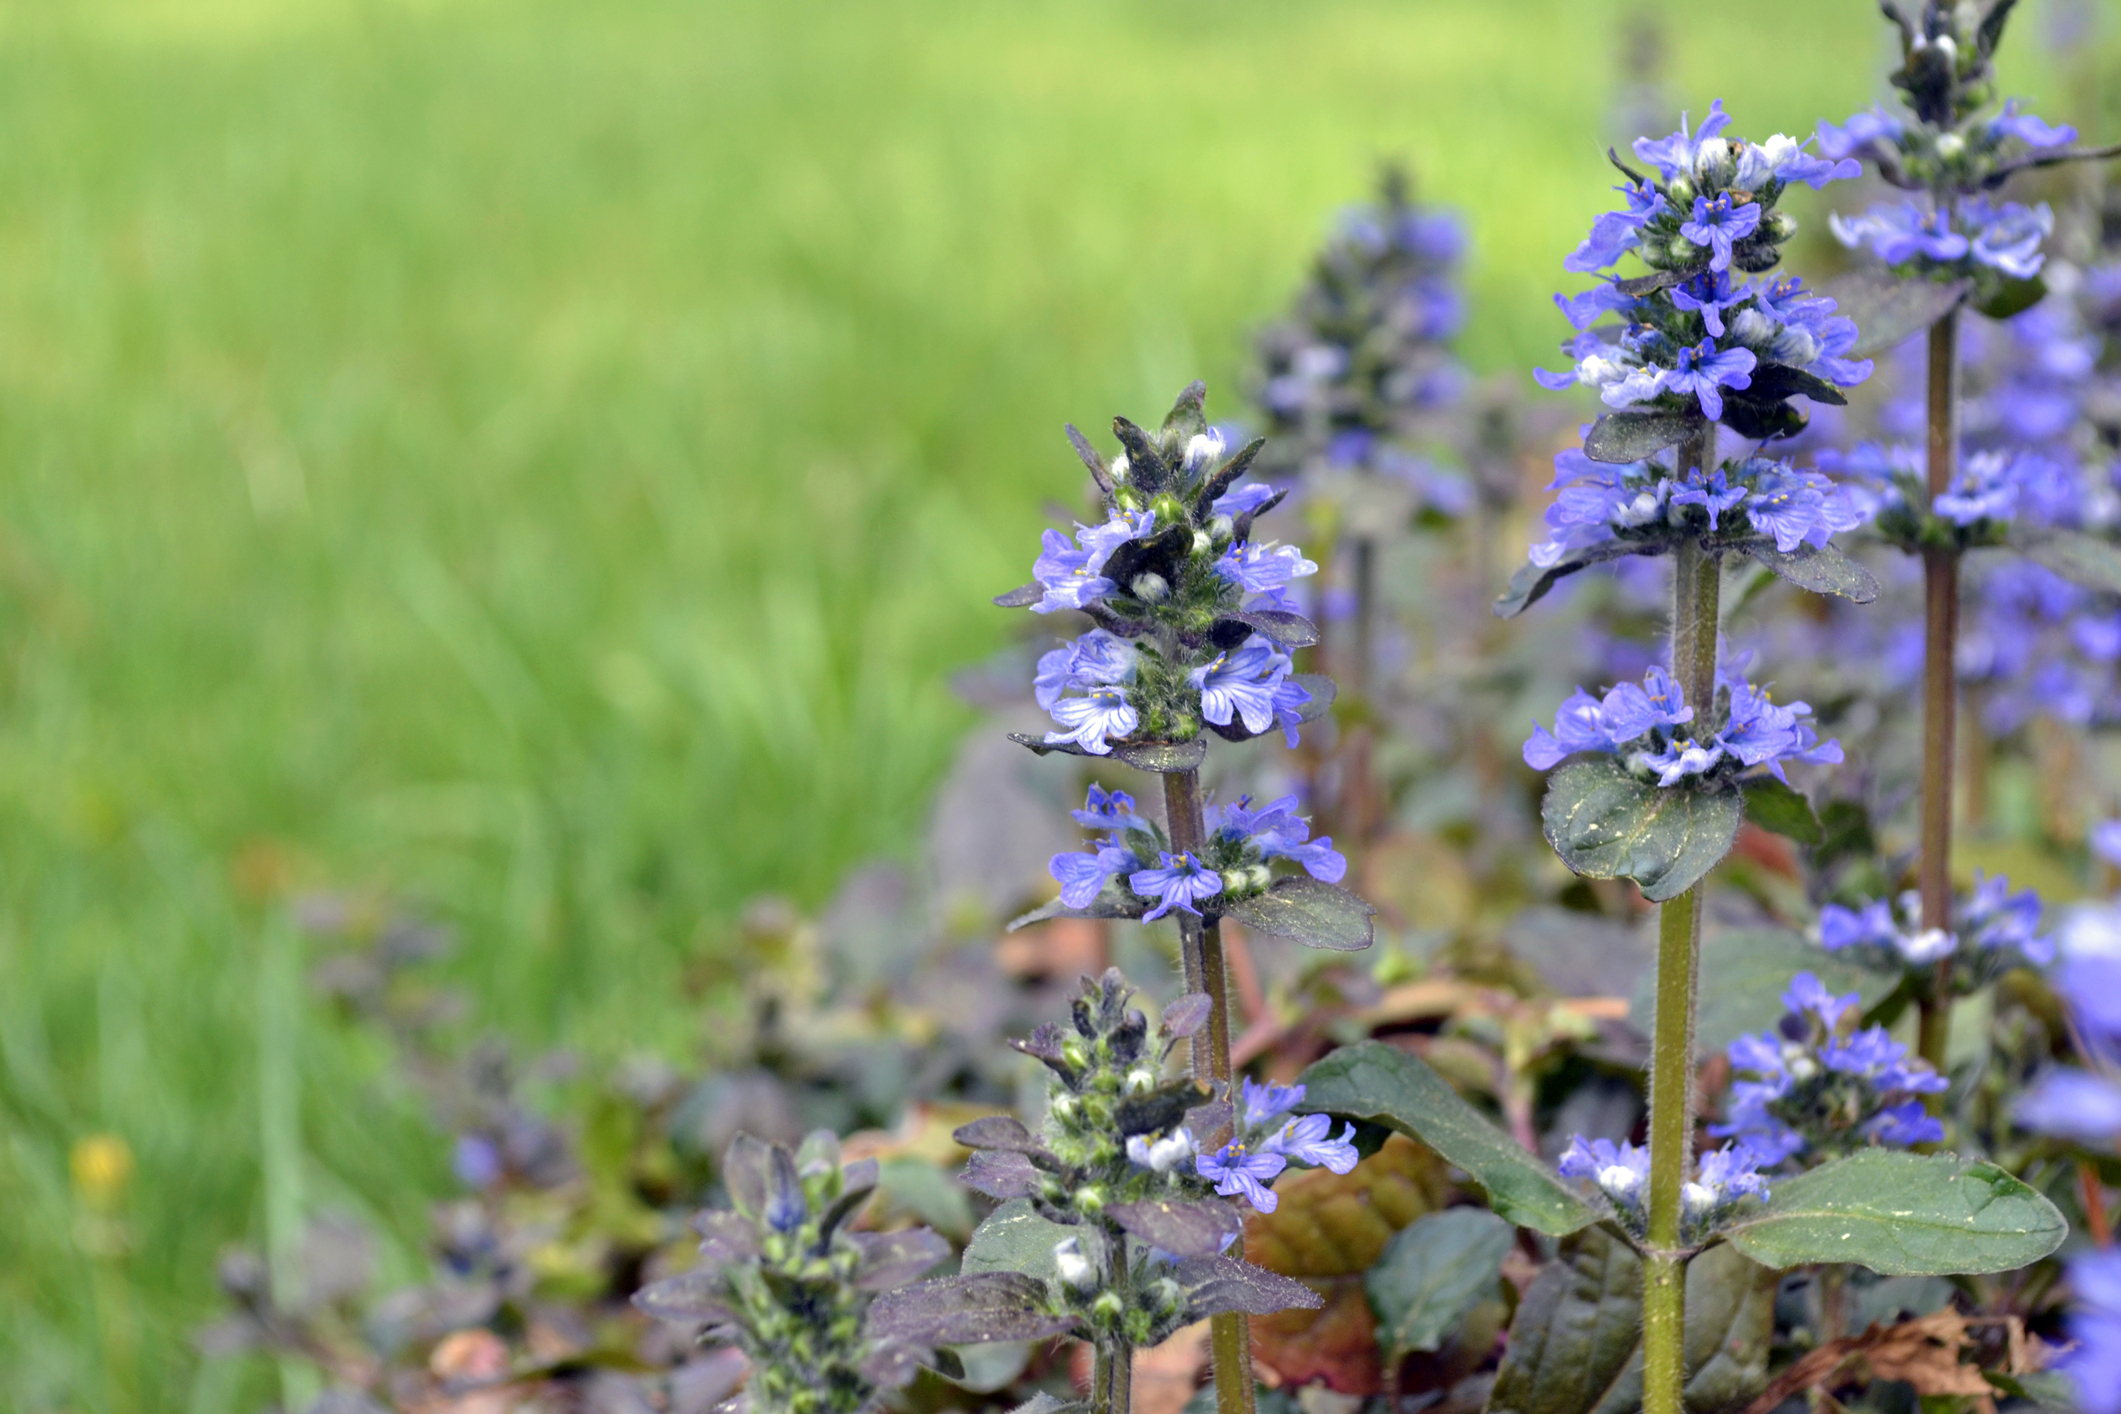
1950, 242
1649, 782
1192, 631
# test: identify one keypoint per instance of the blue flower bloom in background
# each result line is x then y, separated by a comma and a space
2095, 1326
1621, 1172
1639, 724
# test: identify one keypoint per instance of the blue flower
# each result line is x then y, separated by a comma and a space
1069, 574
2095, 1327
1617, 232
1705, 373
1097, 659
1248, 497
1997, 918
477, 1161
1808, 994
1261, 568
1783, 159
1180, 882
1586, 309
1620, 1171
1108, 810
1864, 134
1799, 507
1905, 1124
1843, 927
1266, 1103
1082, 875
1089, 720
1290, 698
1899, 233
2072, 1104
1278, 832
1680, 154
1718, 223
1628, 711
1307, 1139
1713, 495
1682, 758
1236, 1170
1759, 733
2031, 131
2007, 237
1240, 683
1711, 294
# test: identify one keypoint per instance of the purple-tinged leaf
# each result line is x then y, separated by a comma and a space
1044, 1044
1214, 1285
891, 1366
891, 1259
1182, 1229
1000, 1132
1002, 1174
689, 1298
1287, 629
1022, 597
747, 1172
1099, 472
1155, 1111
725, 1236
967, 1310
1187, 1014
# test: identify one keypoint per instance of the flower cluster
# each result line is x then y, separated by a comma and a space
784, 1278
2084, 1106
1641, 726
1270, 1140
1691, 336
2094, 1366
1192, 613
1818, 1087
1353, 380
1952, 152
1726, 1177
1647, 503
1132, 865
1994, 931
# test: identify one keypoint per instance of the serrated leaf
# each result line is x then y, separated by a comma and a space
1606, 823
1902, 1215
1373, 1081
1311, 911
1162, 756
1432, 1272
966, 1310
1215, 1285
2013, 297
1748, 970
1014, 1238
1530, 583
1632, 436
891, 1259
1779, 380
1286, 629
2079, 558
1774, 805
1183, 1229
1001, 1175
1823, 570
1576, 1344
1021, 597
1888, 309
697, 1296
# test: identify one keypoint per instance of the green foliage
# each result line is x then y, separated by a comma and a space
1775, 805
1747, 970
1888, 309
1902, 1215
1576, 1342
1432, 1272
1382, 1084
2079, 558
1608, 823
1312, 912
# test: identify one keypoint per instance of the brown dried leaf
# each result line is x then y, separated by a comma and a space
1336, 1346
1333, 1225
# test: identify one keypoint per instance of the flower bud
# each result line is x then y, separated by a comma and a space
1713, 163
1108, 1306
1127, 498
1223, 529
1140, 1080
1951, 147
1120, 468
1062, 1106
1234, 881
1681, 192
1075, 1053
1203, 543
1072, 1266
1089, 1200
1169, 510
1779, 226
1683, 251
1150, 588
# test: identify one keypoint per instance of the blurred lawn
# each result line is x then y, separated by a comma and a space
541, 459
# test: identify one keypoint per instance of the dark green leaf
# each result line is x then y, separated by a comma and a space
1632, 436
966, 1310
1099, 472
1744, 972
1888, 309
2013, 297
2079, 558
1110, 904
1431, 1273
1313, 912
1651, 283
1147, 471
1576, 1344
1187, 417
1778, 380
1902, 1215
1531, 582
1288, 630
1225, 475
2044, 1389
1156, 1110
1606, 823
1773, 805
1014, 1238
1214, 1285
1761, 418
1018, 598
1373, 1081
1991, 32
1162, 756
1823, 570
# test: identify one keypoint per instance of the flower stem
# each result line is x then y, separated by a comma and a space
1696, 595
1940, 582
1112, 1364
1201, 948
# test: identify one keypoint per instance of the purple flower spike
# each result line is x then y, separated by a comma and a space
1181, 882
1717, 224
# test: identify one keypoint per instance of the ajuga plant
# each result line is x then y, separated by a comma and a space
1651, 781
1950, 242
1112, 1228
1192, 634
1359, 393
783, 1278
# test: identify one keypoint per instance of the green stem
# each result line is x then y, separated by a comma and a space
1940, 582
1696, 597
1112, 1367
1201, 948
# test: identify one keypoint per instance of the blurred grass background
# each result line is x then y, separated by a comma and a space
541, 459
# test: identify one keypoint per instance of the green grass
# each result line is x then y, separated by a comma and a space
541, 459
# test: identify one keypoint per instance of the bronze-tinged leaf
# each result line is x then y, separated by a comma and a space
1200, 1229
967, 1310
1329, 1225
1335, 1346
